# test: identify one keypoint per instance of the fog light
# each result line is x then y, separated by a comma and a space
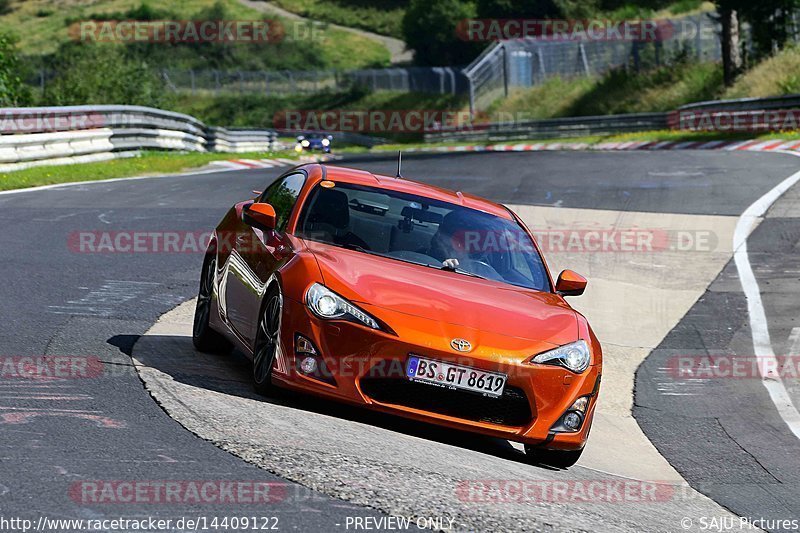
308, 365
572, 421
304, 346
580, 404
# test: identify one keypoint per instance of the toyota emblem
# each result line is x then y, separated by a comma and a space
461, 345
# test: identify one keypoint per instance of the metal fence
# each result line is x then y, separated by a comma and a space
439, 80
522, 63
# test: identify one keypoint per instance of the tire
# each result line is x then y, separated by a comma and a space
267, 343
555, 458
204, 338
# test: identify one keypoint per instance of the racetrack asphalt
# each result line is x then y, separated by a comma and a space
55, 301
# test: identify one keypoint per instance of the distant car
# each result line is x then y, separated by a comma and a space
311, 143
396, 296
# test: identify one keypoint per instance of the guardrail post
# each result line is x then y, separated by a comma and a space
584, 59
471, 85
505, 70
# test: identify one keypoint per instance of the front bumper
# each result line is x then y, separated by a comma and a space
367, 368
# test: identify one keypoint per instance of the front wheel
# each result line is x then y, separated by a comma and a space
204, 338
555, 458
267, 343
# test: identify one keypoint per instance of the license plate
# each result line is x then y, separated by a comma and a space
453, 376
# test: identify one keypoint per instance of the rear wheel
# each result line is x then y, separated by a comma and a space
267, 343
204, 338
556, 458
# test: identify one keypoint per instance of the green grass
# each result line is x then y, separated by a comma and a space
384, 18
149, 163
777, 75
619, 91
663, 89
41, 26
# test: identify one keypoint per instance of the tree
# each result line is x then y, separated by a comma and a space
506, 9
429, 27
771, 22
728, 18
103, 74
13, 92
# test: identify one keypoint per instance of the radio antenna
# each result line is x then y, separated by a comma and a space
399, 163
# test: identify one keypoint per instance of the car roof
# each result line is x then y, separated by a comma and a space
362, 177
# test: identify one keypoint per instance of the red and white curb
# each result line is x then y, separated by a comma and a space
245, 164
752, 146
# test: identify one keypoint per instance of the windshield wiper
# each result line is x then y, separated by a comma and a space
453, 267
357, 248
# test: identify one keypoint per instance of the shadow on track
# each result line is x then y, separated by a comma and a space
231, 375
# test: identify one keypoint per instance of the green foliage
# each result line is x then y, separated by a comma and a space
254, 110
429, 27
383, 17
5, 7
13, 92
771, 22
102, 74
506, 9
210, 55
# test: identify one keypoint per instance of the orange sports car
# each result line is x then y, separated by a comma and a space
405, 298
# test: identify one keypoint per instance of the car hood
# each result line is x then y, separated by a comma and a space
446, 296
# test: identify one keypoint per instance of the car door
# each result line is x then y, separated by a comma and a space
257, 255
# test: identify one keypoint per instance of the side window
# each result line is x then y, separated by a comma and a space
282, 195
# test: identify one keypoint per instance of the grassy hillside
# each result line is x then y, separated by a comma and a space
384, 17
662, 89
42, 25
258, 111
777, 75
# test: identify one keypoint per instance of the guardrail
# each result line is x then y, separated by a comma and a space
746, 104
38, 136
724, 116
553, 128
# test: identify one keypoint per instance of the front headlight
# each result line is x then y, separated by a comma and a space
305, 143
325, 142
574, 356
325, 303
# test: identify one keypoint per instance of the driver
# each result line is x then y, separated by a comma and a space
451, 240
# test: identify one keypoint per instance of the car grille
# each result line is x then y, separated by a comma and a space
511, 409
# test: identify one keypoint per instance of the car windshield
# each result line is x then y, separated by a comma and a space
424, 231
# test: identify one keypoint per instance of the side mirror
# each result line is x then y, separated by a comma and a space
570, 283
260, 216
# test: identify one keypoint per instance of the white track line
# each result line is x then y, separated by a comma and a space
755, 307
